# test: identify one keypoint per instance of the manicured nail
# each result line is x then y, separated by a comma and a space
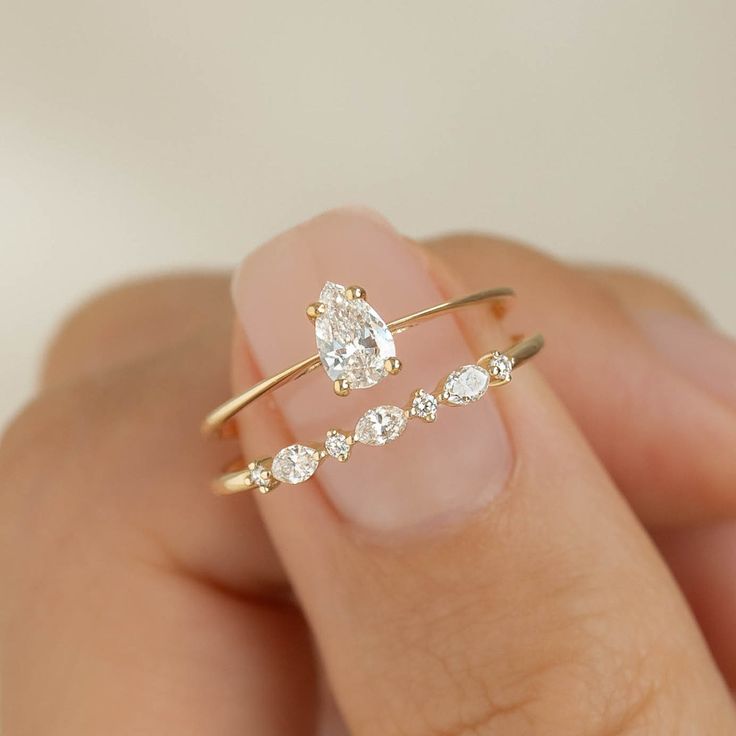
694, 348
434, 472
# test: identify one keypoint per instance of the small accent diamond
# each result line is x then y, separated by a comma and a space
337, 445
259, 476
380, 425
424, 405
295, 463
466, 384
500, 366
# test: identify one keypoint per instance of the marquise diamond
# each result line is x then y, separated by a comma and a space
353, 341
295, 464
380, 425
466, 384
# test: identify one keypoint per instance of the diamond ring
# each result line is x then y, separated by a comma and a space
355, 345
380, 425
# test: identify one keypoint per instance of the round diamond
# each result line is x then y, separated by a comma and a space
353, 341
466, 384
295, 464
500, 367
259, 476
337, 445
380, 425
424, 405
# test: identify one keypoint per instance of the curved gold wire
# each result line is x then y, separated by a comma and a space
216, 420
238, 475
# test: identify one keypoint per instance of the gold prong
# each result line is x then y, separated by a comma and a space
341, 386
354, 292
317, 309
392, 365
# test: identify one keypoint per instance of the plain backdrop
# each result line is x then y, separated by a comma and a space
152, 135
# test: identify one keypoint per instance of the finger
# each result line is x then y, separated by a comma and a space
667, 436
133, 601
704, 562
132, 321
702, 558
664, 437
676, 327
481, 574
152, 327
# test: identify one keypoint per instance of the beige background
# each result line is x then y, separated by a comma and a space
153, 134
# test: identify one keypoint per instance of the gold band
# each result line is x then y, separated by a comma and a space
297, 463
215, 422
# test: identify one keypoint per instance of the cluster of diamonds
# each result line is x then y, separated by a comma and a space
380, 425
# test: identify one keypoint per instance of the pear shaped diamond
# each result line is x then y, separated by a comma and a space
380, 425
466, 384
353, 341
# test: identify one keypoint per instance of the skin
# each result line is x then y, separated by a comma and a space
135, 602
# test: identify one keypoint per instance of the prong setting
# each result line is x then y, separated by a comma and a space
259, 475
378, 426
338, 444
500, 367
355, 292
315, 310
341, 387
423, 405
392, 365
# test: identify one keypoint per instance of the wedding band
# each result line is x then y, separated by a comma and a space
380, 425
355, 345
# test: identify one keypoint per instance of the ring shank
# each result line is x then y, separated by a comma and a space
215, 421
237, 478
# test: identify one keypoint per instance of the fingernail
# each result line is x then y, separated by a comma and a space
434, 473
695, 349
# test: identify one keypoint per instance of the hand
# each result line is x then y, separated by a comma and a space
491, 573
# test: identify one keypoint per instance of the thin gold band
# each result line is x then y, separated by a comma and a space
495, 369
216, 420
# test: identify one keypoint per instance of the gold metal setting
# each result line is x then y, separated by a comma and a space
392, 366
465, 385
217, 422
355, 292
315, 310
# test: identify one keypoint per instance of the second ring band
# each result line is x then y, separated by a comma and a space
378, 426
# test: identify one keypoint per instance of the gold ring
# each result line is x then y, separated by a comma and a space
380, 425
355, 346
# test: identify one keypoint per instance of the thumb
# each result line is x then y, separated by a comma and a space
481, 574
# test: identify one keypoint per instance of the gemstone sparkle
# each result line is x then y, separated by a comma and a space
424, 405
380, 425
337, 445
353, 341
259, 476
295, 463
500, 366
466, 384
